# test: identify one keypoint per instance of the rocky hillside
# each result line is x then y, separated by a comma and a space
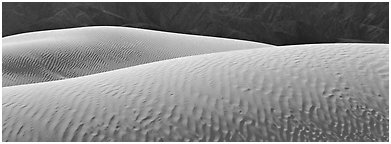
273, 23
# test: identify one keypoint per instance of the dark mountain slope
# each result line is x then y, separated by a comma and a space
274, 23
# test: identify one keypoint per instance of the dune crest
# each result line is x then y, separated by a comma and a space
325, 92
67, 53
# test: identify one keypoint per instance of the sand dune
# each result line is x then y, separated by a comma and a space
59, 54
333, 92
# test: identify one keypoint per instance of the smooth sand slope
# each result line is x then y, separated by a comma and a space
336, 92
67, 53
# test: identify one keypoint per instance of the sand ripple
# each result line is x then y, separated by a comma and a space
60, 54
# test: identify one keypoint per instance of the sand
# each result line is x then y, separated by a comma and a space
67, 53
324, 92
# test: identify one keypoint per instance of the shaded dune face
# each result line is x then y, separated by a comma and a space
59, 54
334, 92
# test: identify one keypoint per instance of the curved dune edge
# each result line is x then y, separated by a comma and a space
68, 53
336, 92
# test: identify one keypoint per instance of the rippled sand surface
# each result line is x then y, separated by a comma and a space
67, 53
325, 92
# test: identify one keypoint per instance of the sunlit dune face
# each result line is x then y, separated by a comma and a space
325, 92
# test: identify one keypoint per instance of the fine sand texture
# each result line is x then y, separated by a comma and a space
324, 92
67, 53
